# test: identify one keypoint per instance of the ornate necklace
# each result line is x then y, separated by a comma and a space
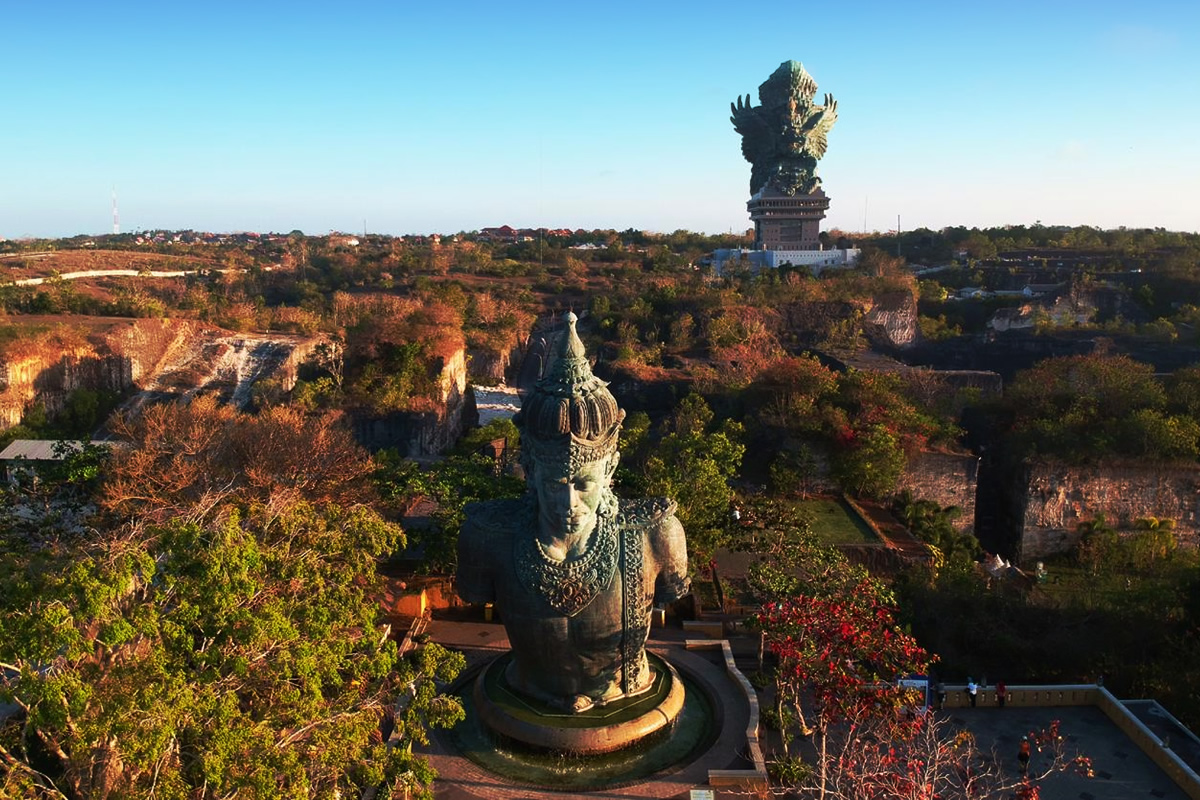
569, 584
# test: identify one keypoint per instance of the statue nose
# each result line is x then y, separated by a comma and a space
564, 496
571, 495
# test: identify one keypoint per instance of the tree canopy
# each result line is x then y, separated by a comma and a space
214, 639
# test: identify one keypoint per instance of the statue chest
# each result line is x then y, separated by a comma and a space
601, 584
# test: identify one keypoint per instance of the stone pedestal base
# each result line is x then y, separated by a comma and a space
783, 222
602, 729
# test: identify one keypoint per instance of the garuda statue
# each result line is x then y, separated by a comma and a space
573, 571
783, 137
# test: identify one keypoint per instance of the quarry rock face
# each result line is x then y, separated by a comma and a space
948, 479
158, 357
891, 321
1060, 497
490, 367
423, 433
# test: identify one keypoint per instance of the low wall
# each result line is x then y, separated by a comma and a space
750, 780
1150, 744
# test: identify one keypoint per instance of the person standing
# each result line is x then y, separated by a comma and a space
1001, 693
972, 691
1023, 755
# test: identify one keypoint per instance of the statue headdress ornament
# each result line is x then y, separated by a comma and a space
570, 418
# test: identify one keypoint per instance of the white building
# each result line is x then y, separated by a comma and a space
815, 260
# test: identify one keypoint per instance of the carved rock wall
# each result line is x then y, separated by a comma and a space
115, 359
891, 321
425, 433
127, 354
948, 479
1059, 497
494, 367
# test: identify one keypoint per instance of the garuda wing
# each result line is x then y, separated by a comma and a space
819, 126
755, 133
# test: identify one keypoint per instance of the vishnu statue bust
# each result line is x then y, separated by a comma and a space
573, 571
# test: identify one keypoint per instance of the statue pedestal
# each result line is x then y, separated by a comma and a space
787, 222
601, 729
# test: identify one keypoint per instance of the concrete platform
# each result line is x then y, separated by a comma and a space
460, 779
1122, 770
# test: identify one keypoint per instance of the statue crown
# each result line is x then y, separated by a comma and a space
570, 414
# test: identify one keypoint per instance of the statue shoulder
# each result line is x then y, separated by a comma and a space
493, 517
649, 512
486, 535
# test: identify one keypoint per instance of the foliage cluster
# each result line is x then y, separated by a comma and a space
1079, 408
953, 549
866, 421
465, 475
1146, 245
691, 459
218, 635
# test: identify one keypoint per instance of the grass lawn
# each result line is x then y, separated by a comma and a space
837, 523
1067, 583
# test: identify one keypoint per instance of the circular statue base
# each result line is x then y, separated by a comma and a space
601, 729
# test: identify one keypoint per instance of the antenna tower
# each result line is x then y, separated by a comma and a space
116, 216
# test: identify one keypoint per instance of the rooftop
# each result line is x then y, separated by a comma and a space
42, 449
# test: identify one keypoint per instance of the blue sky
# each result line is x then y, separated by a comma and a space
417, 117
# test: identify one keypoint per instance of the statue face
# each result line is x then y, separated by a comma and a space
567, 505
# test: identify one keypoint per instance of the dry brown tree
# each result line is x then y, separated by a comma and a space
185, 459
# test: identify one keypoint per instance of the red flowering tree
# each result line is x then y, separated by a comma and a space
842, 655
839, 657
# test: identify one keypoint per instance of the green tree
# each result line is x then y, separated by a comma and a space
466, 475
693, 465
934, 525
1080, 407
240, 655
872, 465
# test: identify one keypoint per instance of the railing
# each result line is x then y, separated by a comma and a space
1081, 694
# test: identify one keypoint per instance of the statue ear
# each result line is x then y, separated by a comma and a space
612, 466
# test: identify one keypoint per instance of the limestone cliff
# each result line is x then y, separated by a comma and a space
424, 433
149, 357
891, 321
111, 355
948, 479
1059, 497
491, 367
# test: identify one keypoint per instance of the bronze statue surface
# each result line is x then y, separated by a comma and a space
573, 571
785, 135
